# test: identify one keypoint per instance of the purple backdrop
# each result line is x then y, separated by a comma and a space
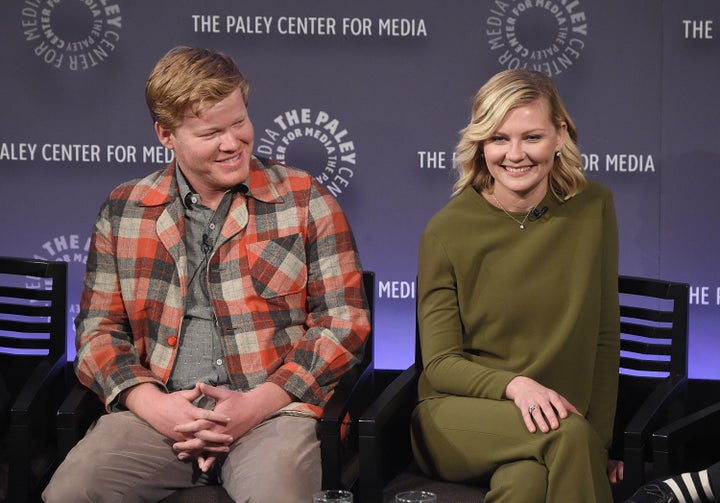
369, 97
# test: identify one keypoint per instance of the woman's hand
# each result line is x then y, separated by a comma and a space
541, 407
615, 470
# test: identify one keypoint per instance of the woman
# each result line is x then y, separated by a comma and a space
518, 307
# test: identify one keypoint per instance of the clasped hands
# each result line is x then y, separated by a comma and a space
210, 432
198, 433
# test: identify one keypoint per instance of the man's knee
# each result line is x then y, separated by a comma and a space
72, 484
280, 459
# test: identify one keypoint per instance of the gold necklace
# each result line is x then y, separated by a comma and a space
522, 224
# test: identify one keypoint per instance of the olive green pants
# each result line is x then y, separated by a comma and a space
124, 460
480, 440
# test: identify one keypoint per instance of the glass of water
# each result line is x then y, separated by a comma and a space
415, 497
333, 496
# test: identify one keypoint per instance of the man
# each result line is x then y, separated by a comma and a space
221, 304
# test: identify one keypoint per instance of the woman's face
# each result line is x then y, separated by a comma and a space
521, 153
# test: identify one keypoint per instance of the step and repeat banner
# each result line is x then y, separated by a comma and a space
369, 97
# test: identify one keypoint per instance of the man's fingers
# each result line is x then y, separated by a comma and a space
215, 417
196, 446
206, 462
207, 419
214, 437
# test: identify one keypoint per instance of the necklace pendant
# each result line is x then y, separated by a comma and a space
522, 227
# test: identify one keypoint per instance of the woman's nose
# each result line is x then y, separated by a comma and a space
515, 151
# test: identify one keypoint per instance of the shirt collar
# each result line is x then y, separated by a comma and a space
189, 198
184, 188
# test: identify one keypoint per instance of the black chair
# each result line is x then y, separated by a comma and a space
688, 444
653, 326
337, 428
33, 363
653, 372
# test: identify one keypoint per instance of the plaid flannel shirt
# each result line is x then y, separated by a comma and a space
285, 283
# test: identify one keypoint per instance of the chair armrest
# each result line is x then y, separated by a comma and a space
655, 409
31, 416
354, 386
338, 435
76, 413
42, 378
383, 437
669, 441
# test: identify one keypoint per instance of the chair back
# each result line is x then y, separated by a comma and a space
33, 316
653, 367
33, 365
653, 327
369, 287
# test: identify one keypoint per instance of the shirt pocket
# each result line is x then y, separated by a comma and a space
278, 266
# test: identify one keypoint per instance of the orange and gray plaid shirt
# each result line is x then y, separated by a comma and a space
285, 283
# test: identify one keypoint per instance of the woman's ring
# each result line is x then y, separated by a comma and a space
531, 409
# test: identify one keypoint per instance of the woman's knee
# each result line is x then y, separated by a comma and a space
524, 480
576, 433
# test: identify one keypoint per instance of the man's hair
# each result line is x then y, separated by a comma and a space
190, 80
506, 91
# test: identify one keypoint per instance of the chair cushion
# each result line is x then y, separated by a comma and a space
412, 479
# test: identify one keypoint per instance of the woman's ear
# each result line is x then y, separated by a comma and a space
562, 132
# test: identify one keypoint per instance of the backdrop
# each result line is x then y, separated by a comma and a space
369, 98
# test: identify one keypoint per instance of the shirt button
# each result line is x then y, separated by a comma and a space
218, 361
212, 225
172, 341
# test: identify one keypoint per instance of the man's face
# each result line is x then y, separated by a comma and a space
213, 148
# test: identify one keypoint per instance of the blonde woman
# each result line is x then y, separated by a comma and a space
518, 308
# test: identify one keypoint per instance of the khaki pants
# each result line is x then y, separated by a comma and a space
486, 441
123, 459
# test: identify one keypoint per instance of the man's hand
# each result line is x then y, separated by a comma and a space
539, 405
164, 411
245, 410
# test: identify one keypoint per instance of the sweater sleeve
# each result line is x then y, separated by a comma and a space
601, 411
447, 370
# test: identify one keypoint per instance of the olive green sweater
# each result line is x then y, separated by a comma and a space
495, 301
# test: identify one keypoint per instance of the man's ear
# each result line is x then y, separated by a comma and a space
164, 135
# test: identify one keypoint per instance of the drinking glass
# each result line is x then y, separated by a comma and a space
333, 496
415, 497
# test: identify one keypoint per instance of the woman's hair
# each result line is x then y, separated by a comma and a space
190, 80
503, 92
